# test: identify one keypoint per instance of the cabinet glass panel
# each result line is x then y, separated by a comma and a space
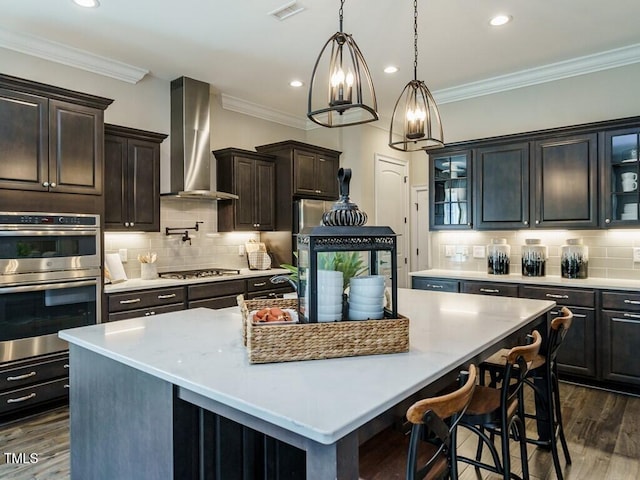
624, 177
450, 190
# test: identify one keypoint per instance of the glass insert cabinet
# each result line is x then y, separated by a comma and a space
620, 177
450, 190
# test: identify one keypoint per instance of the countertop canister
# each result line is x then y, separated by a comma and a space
574, 259
498, 256
534, 258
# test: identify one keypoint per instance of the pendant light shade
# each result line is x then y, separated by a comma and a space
415, 123
341, 91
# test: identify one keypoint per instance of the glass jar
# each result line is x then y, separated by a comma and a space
574, 259
534, 258
498, 253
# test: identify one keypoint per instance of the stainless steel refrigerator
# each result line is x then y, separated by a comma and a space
305, 213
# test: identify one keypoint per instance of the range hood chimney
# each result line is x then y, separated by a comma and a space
190, 151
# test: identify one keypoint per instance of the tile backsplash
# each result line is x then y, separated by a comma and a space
610, 251
207, 249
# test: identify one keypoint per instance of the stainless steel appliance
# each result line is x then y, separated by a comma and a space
49, 280
202, 273
308, 213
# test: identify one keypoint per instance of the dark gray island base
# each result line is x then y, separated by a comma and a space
175, 397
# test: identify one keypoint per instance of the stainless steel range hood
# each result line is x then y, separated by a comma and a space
190, 151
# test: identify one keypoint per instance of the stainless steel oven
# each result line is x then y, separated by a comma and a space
49, 280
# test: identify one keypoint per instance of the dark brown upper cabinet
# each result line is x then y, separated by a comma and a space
132, 179
251, 176
620, 198
51, 139
451, 190
501, 177
565, 182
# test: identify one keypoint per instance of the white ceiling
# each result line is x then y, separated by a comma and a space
244, 53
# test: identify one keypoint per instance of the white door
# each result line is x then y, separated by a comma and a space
420, 254
392, 206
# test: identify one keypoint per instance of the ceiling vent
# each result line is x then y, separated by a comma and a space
286, 10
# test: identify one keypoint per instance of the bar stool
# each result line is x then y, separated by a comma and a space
543, 379
426, 452
500, 411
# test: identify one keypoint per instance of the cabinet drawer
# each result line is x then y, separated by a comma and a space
28, 373
215, 289
145, 298
260, 283
422, 283
563, 296
485, 288
13, 400
145, 312
621, 301
218, 302
273, 293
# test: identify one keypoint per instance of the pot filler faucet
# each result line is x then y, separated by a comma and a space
184, 231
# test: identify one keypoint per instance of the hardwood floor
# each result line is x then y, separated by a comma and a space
602, 428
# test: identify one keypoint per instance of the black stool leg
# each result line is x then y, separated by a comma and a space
558, 410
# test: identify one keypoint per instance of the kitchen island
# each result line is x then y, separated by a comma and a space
147, 393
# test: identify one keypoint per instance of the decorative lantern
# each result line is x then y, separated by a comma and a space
346, 271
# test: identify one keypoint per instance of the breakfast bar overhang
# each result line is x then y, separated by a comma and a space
139, 387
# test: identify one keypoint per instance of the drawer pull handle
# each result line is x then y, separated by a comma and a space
169, 295
632, 302
553, 295
21, 399
261, 284
575, 315
21, 377
434, 286
631, 315
133, 300
490, 290
66, 385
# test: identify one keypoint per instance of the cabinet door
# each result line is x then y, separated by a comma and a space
577, 354
451, 193
565, 182
23, 141
264, 195
115, 174
620, 340
304, 167
501, 176
245, 188
143, 185
620, 194
76, 142
327, 176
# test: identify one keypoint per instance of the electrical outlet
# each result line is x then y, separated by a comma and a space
123, 255
241, 250
449, 250
478, 251
462, 250
636, 254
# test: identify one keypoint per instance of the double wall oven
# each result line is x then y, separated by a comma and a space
50, 280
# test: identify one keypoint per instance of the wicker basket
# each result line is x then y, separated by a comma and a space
315, 341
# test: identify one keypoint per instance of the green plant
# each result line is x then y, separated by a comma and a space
349, 263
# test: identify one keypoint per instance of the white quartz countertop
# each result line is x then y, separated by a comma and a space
201, 350
553, 280
139, 284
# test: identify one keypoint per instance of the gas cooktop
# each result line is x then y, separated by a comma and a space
203, 273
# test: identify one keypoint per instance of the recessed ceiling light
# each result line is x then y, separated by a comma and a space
390, 69
87, 3
296, 83
499, 20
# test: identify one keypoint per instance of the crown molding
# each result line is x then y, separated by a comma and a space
73, 57
547, 73
235, 104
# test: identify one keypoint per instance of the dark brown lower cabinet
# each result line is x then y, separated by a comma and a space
436, 284
620, 320
490, 288
215, 294
578, 353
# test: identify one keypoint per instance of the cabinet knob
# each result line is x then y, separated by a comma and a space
537, 222
126, 224
45, 184
526, 222
607, 220
53, 185
318, 191
131, 224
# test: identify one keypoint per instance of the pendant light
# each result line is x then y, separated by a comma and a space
415, 123
349, 98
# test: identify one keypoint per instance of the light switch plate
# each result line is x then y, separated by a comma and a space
636, 254
123, 255
478, 251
